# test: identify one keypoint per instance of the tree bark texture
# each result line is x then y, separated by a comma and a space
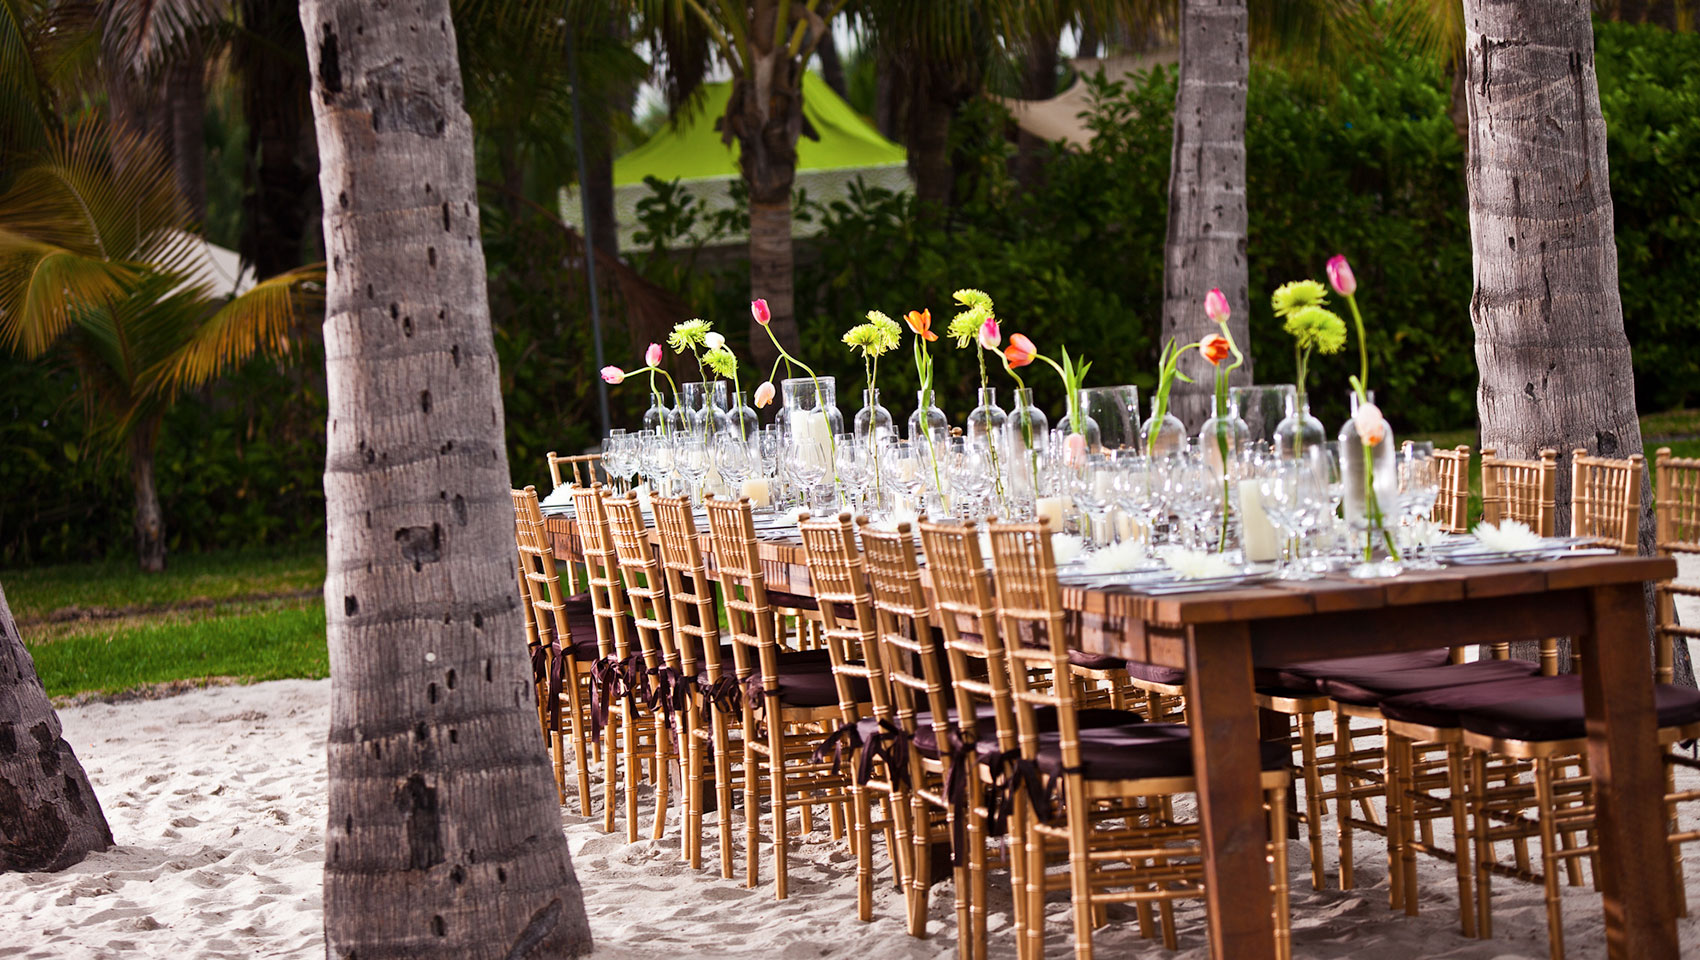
150, 518
444, 838
186, 96
765, 114
832, 65
1206, 244
277, 206
1550, 345
1038, 82
49, 815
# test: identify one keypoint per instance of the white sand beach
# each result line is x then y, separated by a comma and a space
217, 801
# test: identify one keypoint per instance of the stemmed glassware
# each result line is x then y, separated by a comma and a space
1419, 485
694, 458
806, 462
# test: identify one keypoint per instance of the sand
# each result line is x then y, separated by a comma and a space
217, 801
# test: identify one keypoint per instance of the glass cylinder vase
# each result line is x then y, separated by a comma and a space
1165, 438
1116, 411
1298, 431
809, 411
1369, 472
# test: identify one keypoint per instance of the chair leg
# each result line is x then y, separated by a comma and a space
861, 838
1457, 803
1545, 808
634, 765
1484, 846
776, 779
752, 803
611, 773
693, 795
1080, 880
575, 708
977, 886
920, 867
1278, 844
1313, 796
1395, 765
1343, 793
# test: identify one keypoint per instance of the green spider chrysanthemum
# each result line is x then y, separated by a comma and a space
722, 362
1316, 328
1289, 298
689, 335
967, 323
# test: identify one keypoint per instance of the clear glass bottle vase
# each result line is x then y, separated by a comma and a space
1224, 437
1092, 438
742, 420
664, 420
1298, 431
705, 407
928, 421
1022, 446
873, 422
1165, 439
1369, 473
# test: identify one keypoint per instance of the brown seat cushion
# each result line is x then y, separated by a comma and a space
1370, 688
1141, 750
789, 661
1304, 675
809, 686
581, 623
1442, 707
1095, 661
1151, 673
1553, 710
799, 601
986, 735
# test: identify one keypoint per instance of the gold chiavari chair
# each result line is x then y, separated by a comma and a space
614, 681
583, 468
1677, 507
787, 699
696, 635
1452, 507
1116, 817
1525, 490
841, 585
652, 624
563, 625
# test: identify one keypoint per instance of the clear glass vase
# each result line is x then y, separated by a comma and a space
1262, 406
873, 422
928, 421
1369, 472
1116, 412
742, 420
1298, 431
1224, 437
1090, 436
705, 407
809, 410
1165, 440
664, 420
985, 422
1022, 448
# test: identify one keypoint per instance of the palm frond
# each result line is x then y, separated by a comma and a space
139, 34
44, 286
260, 320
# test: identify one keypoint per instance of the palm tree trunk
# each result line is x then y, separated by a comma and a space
832, 65
766, 115
930, 113
444, 838
49, 815
186, 98
1550, 345
1207, 212
150, 519
1038, 82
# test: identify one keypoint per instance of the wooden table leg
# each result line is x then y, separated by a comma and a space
1629, 783
1223, 716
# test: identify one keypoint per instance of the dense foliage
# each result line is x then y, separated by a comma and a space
1371, 169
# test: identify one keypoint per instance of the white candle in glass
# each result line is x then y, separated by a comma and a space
812, 425
1258, 537
756, 488
1054, 509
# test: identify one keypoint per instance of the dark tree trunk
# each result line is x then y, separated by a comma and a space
930, 112
1206, 242
1550, 345
1038, 82
1632, 11
444, 838
766, 115
831, 65
1090, 40
150, 519
1663, 13
886, 94
186, 100
277, 208
49, 815
599, 140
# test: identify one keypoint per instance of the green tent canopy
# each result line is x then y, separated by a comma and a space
691, 149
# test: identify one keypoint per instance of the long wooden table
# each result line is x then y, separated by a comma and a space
1217, 637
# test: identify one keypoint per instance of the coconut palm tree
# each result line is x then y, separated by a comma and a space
52, 817
444, 838
97, 264
764, 43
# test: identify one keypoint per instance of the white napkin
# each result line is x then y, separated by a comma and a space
1199, 565
1064, 547
1127, 555
1509, 537
561, 496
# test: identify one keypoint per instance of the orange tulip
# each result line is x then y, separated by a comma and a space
1021, 350
1215, 348
921, 321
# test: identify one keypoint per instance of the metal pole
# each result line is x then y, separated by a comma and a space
588, 232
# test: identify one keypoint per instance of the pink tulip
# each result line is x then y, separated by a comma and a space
1340, 276
613, 374
758, 309
1216, 306
652, 356
1075, 449
764, 394
990, 336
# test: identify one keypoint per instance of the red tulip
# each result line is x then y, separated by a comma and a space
1021, 351
1215, 348
1340, 276
758, 309
1216, 306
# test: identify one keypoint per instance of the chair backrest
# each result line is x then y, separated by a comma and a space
1452, 506
743, 591
962, 591
1525, 490
602, 571
582, 468
1677, 506
696, 618
840, 586
903, 619
1605, 499
1029, 598
646, 589
539, 576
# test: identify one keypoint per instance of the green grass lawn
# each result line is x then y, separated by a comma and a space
107, 628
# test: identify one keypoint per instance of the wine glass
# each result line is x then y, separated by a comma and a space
1419, 485
693, 458
807, 464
